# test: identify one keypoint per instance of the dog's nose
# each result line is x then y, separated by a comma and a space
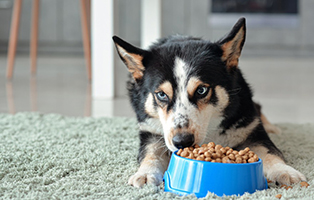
182, 140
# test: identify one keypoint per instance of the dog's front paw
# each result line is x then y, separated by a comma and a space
284, 174
139, 179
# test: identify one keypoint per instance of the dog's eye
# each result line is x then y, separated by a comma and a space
161, 96
201, 92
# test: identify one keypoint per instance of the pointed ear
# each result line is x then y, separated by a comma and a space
131, 56
232, 44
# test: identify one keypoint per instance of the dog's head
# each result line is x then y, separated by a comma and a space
186, 82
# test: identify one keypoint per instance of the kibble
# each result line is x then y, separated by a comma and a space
283, 186
242, 152
278, 196
231, 156
304, 184
184, 153
289, 187
238, 160
208, 159
286, 187
216, 153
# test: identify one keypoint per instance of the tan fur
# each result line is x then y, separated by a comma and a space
152, 166
203, 103
232, 49
223, 98
133, 62
204, 121
269, 127
275, 169
193, 84
149, 106
155, 151
166, 87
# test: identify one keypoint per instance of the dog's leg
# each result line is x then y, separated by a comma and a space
269, 127
275, 168
153, 158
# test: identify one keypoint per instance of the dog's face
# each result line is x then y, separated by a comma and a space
185, 83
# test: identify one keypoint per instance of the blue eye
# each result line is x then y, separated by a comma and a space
201, 91
161, 96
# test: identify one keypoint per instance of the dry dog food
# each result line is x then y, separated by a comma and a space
304, 184
278, 196
217, 153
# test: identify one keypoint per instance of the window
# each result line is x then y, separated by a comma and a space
260, 13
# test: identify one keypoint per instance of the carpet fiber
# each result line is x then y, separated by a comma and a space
56, 157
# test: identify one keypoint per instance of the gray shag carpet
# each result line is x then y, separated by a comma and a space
56, 157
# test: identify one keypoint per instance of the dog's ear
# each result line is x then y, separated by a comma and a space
232, 44
131, 56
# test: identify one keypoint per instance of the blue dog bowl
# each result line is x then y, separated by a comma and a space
185, 176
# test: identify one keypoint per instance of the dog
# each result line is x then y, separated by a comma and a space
188, 91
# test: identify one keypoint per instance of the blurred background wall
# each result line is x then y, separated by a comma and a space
60, 29
270, 32
59, 26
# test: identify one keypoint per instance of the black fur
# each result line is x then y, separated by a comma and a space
177, 117
204, 59
146, 138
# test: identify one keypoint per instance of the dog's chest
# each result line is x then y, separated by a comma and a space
152, 125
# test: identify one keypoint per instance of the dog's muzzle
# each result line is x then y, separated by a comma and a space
182, 140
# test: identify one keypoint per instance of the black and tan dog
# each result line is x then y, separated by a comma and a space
188, 91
